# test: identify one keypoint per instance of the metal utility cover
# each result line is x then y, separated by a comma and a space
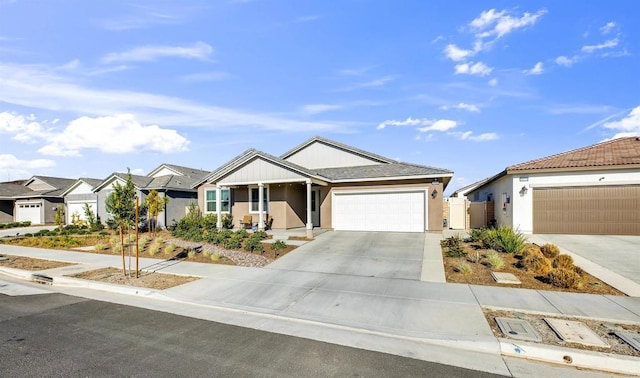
575, 332
518, 329
505, 278
630, 338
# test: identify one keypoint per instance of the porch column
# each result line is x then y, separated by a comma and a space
218, 205
260, 206
309, 220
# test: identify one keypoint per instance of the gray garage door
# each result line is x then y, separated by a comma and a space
604, 210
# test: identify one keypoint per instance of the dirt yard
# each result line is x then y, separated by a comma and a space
603, 329
481, 273
159, 281
28, 263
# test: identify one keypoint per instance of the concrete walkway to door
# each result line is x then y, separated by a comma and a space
369, 254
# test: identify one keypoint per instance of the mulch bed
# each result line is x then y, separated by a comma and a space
482, 273
603, 329
159, 281
28, 263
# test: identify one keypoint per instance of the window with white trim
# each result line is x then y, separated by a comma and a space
254, 199
210, 200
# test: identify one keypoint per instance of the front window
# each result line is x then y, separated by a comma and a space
225, 200
254, 199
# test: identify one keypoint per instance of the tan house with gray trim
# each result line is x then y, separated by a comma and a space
326, 184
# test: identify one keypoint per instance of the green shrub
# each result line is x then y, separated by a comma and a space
227, 221
494, 259
509, 240
563, 261
191, 254
206, 253
477, 234
154, 249
550, 251
465, 269
278, 245
210, 222
215, 257
260, 235
100, 247
169, 249
454, 246
234, 242
253, 244
565, 278
242, 233
117, 248
159, 240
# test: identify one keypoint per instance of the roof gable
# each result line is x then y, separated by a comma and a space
613, 153
324, 153
82, 186
177, 170
38, 185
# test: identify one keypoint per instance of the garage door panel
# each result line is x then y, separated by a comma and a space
605, 210
78, 208
29, 212
379, 211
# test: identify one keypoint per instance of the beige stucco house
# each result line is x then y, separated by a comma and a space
326, 184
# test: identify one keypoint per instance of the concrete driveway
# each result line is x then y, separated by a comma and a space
370, 254
618, 253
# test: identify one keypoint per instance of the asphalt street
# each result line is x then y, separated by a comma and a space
56, 335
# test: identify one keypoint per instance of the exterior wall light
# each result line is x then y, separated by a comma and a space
524, 190
434, 194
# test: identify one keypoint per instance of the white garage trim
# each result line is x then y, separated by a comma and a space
394, 210
78, 206
29, 211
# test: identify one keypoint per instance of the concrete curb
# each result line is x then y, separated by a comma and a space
114, 288
17, 273
585, 359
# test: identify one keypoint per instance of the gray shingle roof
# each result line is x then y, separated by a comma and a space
9, 190
91, 181
186, 171
139, 181
380, 170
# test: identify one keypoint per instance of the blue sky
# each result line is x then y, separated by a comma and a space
88, 88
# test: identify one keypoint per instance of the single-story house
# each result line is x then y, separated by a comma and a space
8, 192
326, 184
593, 190
169, 180
77, 196
38, 204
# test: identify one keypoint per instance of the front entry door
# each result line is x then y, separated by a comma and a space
315, 207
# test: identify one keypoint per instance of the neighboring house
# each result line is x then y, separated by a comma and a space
590, 190
38, 204
322, 183
77, 196
172, 181
8, 192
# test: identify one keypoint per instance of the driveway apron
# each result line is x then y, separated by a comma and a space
369, 254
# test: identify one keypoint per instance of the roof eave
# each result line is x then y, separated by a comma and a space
573, 169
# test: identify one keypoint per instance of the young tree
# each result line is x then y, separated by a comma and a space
121, 204
59, 220
92, 220
155, 205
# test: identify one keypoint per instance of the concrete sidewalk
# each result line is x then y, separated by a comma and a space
404, 317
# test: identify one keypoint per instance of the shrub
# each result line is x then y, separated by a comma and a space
465, 269
278, 245
215, 257
206, 253
233, 242
454, 245
100, 247
169, 249
159, 240
260, 234
117, 248
227, 221
191, 254
550, 251
495, 260
566, 278
563, 261
114, 240
154, 249
210, 222
529, 249
536, 262
242, 233
477, 234
509, 240
253, 244
142, 242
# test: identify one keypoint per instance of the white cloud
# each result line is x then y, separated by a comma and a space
439, 125
320, 108
470, 68
354, 71
24, 129
605, 45
566, 61
407, 122
491, 23
628, 126
606, 29
42, 88
118, 134
468, 135
198, 50
493, 82
11, 167
379, 82
463, 106
457, 54
537, 69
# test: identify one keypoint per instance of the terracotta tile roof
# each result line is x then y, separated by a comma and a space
616, 152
